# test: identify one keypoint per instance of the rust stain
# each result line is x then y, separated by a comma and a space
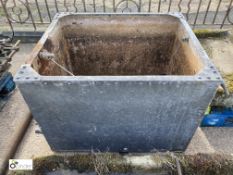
136, 46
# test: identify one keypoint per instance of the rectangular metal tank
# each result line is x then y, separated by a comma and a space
118, 82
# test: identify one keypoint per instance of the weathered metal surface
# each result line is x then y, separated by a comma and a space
144, 112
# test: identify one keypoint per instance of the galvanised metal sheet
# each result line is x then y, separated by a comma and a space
119, 113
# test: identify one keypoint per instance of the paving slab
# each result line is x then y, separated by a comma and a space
199, 144
14, 118
220, 50
33, 144
221, 139
15, 115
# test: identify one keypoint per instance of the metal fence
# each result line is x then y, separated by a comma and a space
36, 14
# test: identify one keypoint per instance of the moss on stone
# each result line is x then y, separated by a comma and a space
229, 82
205, 33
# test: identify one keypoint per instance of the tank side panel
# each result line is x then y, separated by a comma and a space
140, 116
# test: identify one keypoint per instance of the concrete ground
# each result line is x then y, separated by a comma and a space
15, 115
221, 52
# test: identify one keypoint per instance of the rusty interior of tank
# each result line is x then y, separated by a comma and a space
119, 45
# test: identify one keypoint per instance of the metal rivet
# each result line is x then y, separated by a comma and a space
186, 39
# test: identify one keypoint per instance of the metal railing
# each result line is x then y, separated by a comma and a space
35, 14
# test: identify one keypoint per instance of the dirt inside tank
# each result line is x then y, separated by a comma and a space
119, 47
